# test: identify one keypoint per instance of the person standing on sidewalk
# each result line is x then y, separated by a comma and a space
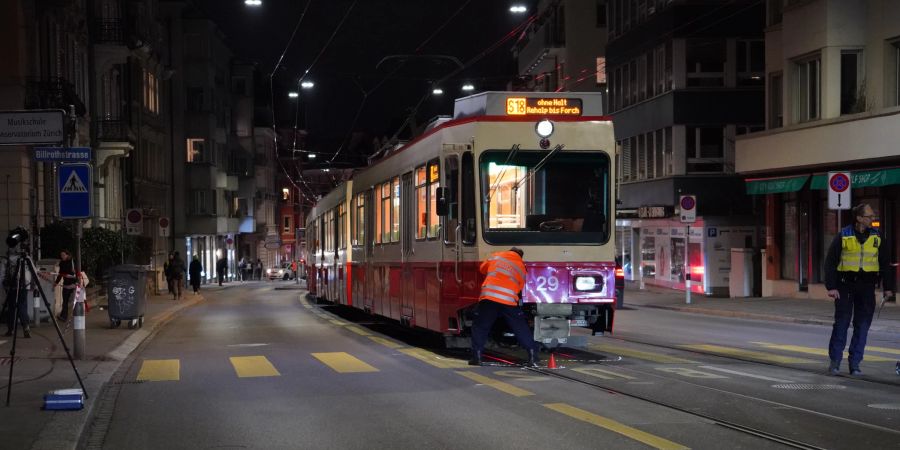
500, 291
195, 270
69, 280
167, 272
177, 271
221, 267
852, 268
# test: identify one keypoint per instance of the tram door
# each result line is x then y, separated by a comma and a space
407, 231
457, 271
369, 237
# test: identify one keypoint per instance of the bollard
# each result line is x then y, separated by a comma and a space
78, 319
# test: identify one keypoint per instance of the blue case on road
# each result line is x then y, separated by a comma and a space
64, 400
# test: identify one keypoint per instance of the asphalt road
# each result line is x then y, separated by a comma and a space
260, 367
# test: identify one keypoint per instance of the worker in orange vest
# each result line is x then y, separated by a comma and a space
504, 280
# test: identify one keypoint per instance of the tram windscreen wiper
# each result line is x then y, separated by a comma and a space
512, 152
538, 166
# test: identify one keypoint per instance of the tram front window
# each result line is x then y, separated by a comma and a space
545, 197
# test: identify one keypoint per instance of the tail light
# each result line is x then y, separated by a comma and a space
620, 273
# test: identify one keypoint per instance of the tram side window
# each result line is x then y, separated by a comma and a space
377, 208
434, 178
360, 235
385, 226
395, 210
467, 198
421, 203
342, 226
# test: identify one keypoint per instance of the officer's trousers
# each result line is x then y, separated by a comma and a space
486, 313
857, 303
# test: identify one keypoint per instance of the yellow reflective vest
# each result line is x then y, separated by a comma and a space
856, 257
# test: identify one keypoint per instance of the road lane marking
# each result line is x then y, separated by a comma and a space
160, 370
434, 359
655, 357
890, 351
690, 373
818, 351
748, 354
519, 375
496, 384
337, 322
358, 330
342, 362
253, 366
616, 427
745, 374
601, 373
248, 345
385, 342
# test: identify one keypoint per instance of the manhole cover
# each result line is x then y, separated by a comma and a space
807, 387
894, 406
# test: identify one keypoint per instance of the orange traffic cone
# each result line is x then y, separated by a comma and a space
552, 363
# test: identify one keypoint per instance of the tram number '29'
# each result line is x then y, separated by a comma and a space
550, 283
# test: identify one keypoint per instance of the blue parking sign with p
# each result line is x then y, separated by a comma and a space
74, 182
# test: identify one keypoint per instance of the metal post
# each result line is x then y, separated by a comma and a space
687, 267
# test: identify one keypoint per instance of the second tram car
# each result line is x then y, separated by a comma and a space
404, 237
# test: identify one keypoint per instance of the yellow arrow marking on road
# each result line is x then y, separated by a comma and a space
160, 370
343, 362
818, 351
616, 427
253, 366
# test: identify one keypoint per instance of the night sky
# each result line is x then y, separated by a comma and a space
373, 30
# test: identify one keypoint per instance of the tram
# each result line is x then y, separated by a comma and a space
404, 237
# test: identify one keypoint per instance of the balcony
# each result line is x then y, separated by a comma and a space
53, 93
116, 130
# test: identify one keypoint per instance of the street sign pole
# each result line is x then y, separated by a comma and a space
688, 204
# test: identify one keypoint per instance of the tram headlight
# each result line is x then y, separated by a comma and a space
544, 128
588, 283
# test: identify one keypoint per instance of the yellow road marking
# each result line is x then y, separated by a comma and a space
891, 351
818, 351
601, 373
253, 366
385, 342
434, 359
337, 322
748, 354
616, 427
496, 384
655, 357
344, 362
160, 370
358, 330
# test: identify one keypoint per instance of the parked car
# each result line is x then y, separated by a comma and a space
283, 272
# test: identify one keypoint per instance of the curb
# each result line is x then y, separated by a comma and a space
65, 429
756, 316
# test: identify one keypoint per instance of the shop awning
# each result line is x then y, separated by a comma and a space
862, 178
760, 186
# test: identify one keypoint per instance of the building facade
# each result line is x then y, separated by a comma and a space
832, 104
685, 79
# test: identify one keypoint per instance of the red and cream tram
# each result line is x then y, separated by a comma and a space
404, 238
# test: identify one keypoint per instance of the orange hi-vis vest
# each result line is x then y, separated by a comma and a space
505, 273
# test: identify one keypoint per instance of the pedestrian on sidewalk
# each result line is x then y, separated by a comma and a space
66, 274
177, 269
259, 269
195, 269
242, 269
853, 266
500, 292
167, 272
221, 267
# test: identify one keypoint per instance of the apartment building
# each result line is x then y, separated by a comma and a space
832, 72
685, 78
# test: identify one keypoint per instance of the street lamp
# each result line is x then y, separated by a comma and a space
253, 2
518, 9
437, 91
307, 84
293, 94
312, 155
468, 87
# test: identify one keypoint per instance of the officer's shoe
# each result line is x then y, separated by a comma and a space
476, 358
835, 368
855, 372
533, 358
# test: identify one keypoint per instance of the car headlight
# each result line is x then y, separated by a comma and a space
268, 270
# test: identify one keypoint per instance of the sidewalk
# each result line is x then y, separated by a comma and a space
41, 366
792, 310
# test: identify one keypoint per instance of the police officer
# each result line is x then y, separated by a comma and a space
504, 280
852, 268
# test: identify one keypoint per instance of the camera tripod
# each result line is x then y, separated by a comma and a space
24, 264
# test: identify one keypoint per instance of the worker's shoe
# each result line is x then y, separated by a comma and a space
834, 368
855, 372
533, 358
476, 358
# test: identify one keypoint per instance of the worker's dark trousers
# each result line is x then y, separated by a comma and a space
857, 302
486, 313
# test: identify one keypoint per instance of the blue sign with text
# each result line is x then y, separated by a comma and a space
63, 154
74, 184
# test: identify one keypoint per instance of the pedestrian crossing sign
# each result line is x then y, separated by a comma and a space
74, 191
